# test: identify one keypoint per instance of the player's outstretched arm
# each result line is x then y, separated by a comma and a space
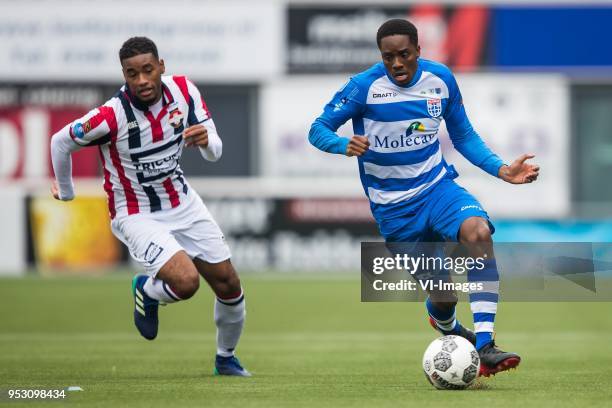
61, 148
462, 134
520, 172
93, 129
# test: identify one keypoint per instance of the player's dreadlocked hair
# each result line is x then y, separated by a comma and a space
136, 46
397, 26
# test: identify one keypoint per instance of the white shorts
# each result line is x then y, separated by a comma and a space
153, 238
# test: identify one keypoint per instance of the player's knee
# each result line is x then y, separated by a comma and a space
479, 233
233, 284
187, 285
228, 286
227, 283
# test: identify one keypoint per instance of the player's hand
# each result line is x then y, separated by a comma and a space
55, 192
520, 172
196, 135
357, 146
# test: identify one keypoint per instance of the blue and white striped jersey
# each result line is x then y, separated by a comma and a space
401, 122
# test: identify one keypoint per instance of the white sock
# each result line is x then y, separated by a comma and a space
229, 318
160, 290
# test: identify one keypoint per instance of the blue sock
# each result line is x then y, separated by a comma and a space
484, 302
446, 322
483, 338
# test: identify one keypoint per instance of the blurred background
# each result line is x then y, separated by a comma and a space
535, 78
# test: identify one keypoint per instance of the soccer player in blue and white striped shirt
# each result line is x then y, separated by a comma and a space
396, 107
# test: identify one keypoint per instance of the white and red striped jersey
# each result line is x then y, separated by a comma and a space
140, 150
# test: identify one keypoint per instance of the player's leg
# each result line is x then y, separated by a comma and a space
442, 315
230, 310
204, 242
458, 216
440, 304
230, 313
408, 233
178, 279
171, 275
475, 233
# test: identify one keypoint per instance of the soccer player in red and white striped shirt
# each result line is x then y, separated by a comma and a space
140, 134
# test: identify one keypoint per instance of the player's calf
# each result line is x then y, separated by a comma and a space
230, 313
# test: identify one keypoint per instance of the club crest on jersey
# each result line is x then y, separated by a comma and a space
79, 130
434, 107
175, 117
86, 127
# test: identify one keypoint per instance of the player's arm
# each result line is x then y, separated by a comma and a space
92, 129
202, 132
467, 141
62, 147
347, 103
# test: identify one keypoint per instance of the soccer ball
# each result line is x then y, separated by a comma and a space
451, 363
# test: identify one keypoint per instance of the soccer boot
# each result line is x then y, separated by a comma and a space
493, 360
229, 366
462, 332
145, 309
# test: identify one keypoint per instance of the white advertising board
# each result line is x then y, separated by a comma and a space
79, 40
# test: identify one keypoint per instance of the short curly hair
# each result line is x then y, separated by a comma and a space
136, 46
398, 26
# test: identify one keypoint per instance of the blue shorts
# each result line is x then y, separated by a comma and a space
435, 216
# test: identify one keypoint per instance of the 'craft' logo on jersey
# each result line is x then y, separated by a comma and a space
434, 107
384, 95
405, 140
175, 118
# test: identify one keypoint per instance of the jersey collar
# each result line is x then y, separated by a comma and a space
140, 105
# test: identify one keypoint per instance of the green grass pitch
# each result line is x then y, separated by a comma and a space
308, 341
